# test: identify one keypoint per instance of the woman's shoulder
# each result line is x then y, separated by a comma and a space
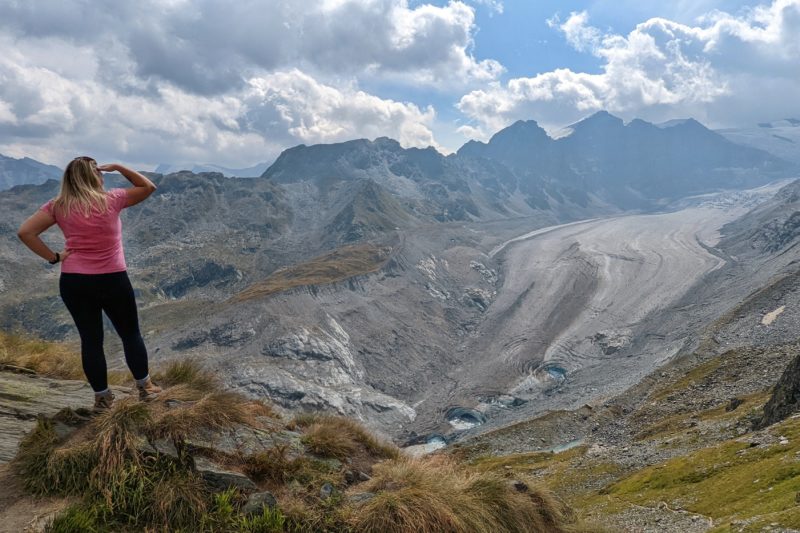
47, 207
118, 198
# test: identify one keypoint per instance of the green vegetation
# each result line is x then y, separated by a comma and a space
338, 265
740, 482
730, 481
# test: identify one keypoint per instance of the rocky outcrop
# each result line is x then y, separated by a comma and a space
785, 399
207, 273
24, 397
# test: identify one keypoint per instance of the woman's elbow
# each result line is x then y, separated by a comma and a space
23, 234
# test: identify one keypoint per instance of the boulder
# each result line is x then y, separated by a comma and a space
785, 399
25, 397
360, 497
326, 491
245, 440
165, 447
257, 501
220, 478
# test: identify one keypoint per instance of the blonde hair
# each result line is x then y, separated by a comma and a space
81, 188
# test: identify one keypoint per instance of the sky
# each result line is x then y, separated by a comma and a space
234, 83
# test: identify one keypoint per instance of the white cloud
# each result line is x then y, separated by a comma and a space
496, 6
724, 69
127, 92
212, 46
580, 36
6, 114
47, 115
312, 112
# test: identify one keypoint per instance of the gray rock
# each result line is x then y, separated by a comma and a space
63, 430
326, 491
165, 447
733, 404
257, 501
220, 478
478, 298
24, 397
519, 486
785, 399
360, 497
142, 445
245, 440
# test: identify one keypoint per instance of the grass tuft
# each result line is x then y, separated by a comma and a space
217, 409
189, 372
302, 421
126, 486
76, 519
339, 437
31, 462
50, 359
179, 499
436, 494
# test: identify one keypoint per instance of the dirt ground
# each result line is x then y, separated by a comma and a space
21, 513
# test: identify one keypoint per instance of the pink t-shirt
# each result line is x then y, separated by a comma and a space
95, 242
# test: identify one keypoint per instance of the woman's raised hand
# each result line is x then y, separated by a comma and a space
107, 168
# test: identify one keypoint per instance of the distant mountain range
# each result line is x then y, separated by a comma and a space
25, 171
628, 165
599, 162
249, 172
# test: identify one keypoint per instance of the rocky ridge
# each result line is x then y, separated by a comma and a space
438, 215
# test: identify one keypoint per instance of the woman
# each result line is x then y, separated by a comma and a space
93, 272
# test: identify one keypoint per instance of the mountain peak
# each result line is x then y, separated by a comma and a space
520, 135
599, 119
520, 130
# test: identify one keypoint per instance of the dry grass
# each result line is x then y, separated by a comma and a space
107, 462
189, 372
50, 359
126, 487
214, 410
331, 267
339, 437
116, 434
435, 494
179, 498
302, 420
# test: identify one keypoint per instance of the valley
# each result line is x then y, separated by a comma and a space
571, 323
438, 297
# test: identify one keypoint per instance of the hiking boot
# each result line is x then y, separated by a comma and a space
148, 390
102, 402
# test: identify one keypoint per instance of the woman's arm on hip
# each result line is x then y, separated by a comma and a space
29, 233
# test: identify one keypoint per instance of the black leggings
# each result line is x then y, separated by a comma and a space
86, 296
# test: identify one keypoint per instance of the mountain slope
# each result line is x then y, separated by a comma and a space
25, 171
454, 317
